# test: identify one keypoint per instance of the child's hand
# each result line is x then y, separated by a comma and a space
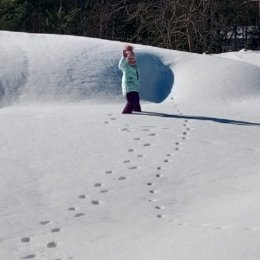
125, 53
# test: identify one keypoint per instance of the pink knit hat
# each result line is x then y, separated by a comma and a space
129, 51
129, 48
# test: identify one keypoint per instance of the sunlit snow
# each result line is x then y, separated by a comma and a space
79, 180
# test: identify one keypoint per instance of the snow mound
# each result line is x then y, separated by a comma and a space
38, 67
251, 57
215, 79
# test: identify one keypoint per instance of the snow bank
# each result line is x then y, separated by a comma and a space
36, 67
251, 57
214, 79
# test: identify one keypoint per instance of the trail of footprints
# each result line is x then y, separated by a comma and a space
159, 208
152, 185
154, 191
76, 212
176, 148
49, 245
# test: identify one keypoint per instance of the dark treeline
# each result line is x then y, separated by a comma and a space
188, 25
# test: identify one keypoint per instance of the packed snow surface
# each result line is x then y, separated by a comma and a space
80, 181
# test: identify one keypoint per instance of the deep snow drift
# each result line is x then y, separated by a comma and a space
79, 180
50, 67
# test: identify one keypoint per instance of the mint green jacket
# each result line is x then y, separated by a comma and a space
130, 79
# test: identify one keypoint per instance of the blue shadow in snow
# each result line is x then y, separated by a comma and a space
156, 78
201, 118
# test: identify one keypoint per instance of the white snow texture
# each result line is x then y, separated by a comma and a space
79, 180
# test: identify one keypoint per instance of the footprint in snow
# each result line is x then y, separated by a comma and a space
126, 161
125, 129
104, 191
95, 202
122, 178
159, 207
133, 168
83, 196
166, 160
28, 256
153, 191
55, 230
158, 175
25, 240
45, 222
52, 245
160, 216
79, 215
72, 209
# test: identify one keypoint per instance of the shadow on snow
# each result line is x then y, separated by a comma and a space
202, 118
156, 78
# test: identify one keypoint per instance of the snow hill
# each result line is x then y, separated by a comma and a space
79, 180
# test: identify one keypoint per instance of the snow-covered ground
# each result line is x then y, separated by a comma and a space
80, 181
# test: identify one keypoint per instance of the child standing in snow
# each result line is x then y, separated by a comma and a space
130, 80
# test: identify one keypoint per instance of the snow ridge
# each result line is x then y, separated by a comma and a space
71, 70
